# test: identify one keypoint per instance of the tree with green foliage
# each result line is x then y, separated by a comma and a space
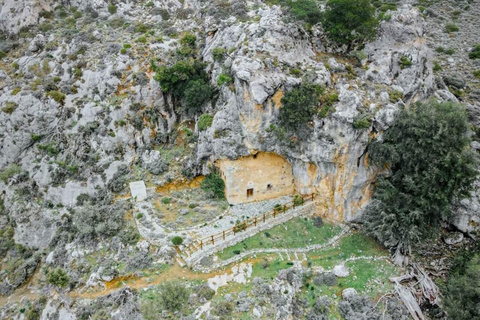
427, 153
213, 184
177, 240
173, 296
462, 289
197, 93
299, 105
174, 79
347, 21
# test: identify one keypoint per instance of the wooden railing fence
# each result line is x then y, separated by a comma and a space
242, 226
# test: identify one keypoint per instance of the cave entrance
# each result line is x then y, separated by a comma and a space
249, 192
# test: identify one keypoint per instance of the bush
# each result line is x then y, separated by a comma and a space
58, 277
305, 10
475, 53
101, 220
188, 40
218, 54
177, 240
299, 105
112, 9
166, 200
362, 121
410, 203
451, 27
328, 279
223, 309
197, 93
141, 39
214, 186
347, 21
9, 172
173, 296
57, 96
405, 62
204, 122
224, 79
204, 291
476, 73
317, 221
395, 96
9, 107
462, 289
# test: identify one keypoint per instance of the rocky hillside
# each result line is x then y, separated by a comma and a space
82, 115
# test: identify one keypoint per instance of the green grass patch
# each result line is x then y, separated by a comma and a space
296, 233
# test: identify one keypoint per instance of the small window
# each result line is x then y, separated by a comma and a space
269, 186
249, 193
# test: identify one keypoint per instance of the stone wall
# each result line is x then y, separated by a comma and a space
266, 174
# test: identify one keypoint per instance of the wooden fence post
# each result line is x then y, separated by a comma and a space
201, 244
223, 234
264, 218
255, 221
233, 230
213, 241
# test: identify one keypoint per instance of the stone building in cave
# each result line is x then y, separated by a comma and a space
261, 176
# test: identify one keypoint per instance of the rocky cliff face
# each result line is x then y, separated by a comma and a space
113, 111
82, 115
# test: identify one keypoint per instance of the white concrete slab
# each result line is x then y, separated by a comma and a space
138, 190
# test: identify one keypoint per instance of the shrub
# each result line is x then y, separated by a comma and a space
218, 54
475, 53
305, 10
100, 220
328, 100
436, 66
188, 40
2, 54
451, 27
223, 309
297, 200
141, 39
9, 172
450, 51
362, 121
129, 235
197, 93
214, 186
204, 291
204, 122
299, 105
328, 279
411, 202
405, 62
395, 96
462, 289
9, 107
177, 240
476, 73
166, 200
347, 21
58, 277
112, 9
224, 79
317, 221
440, 49
141, 28
173, 296
57, 96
